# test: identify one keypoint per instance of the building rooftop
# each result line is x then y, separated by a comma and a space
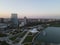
49, 35
3, 25
34, 30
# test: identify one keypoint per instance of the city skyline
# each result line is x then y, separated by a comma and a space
30, 8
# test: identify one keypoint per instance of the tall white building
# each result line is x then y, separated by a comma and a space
14, 19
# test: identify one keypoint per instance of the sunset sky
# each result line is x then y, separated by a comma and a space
30, 8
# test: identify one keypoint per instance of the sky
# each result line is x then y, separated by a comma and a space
30, 8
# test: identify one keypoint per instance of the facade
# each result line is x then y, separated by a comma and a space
49, 36
3, 27
1, 20
25, 20
14, 20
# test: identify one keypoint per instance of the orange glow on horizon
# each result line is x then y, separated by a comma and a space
22, 15
4, 15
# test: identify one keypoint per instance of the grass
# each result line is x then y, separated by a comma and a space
30, 34
13, 38
55, 24
2, 35
22, 34
27, 44
28, 39
3, 43
16, 41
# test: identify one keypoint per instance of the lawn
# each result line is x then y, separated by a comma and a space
28, 39
22, 34
28, 44
55, 24
3, 43
2, 35
13, 38
30, 34
19, 35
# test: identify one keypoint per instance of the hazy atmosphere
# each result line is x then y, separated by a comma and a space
30, 8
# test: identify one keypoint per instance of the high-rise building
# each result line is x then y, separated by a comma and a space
25, 20
1, 20
14, 19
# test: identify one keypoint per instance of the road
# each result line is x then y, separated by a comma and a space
20, 43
